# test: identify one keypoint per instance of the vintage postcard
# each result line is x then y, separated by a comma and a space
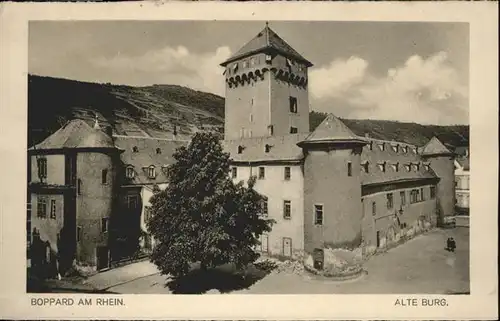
157, 153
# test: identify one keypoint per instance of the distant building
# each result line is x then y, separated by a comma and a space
329, 188
462, 180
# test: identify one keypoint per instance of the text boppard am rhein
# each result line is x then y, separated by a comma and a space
81, 301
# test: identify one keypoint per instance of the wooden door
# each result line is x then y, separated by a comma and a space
287, 246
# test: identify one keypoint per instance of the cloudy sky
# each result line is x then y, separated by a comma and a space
417, 72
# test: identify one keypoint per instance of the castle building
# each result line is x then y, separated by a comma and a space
329, 188
89, 191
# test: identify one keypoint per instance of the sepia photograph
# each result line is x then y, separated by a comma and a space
259, 157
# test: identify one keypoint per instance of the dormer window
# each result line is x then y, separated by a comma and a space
135, 149
151, 172
395, 147
404, 149
408, 167
417, 166
370, 145
381, 146
158, 151
414, 149
240, 149
381, 166
245, 64
365, 166
129, 172
267, 148
427, 166
395, 167
269, 59
235, 67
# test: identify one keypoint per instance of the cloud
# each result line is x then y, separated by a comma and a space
421, 90
169, 65
334, 79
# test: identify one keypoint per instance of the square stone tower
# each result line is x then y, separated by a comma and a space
266, 89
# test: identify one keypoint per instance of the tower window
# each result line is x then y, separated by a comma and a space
270, 130
151, 172
42, 168
293, 104
234, 172
53, 209
318, 214
390, 201
78, 233
79, 186
288, 173
104, 176
287, 209
402, 194
269, 59
41, 207
267, 148
349, 169
135, 149
293, 130
104, 224
262, 172
433, 192
158, 151
374, 208
240, 149
366, 167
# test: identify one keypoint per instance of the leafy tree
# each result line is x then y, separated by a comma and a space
202, 216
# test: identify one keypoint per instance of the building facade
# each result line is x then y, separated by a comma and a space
329, 188
462, 181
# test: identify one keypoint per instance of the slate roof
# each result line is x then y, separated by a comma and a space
266, 40
76, 134
390, 157
332, 129
281, 148
435, 147
146, 155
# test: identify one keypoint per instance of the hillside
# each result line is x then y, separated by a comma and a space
156, 110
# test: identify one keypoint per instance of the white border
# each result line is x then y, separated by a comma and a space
481, 304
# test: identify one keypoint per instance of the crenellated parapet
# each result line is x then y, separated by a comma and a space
258, 74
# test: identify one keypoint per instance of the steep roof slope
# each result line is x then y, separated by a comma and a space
266, 40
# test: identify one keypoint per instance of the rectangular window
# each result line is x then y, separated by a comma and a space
79, 187
288, 173
374, 208
318, 214
262, 172
349, 169
390, 201
42, 168
132, 201
293, 104
402, 194
422, 196
104, 176
234, 172
287, 209
270, 130
78, 233
264, 242
41, 207
293, 130
265, 211
104, 224
52, 209
433, 192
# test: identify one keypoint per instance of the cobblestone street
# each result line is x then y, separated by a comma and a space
419, 266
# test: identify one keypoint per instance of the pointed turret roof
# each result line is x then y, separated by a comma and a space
76, 134
333, 130
267, 40
435, 147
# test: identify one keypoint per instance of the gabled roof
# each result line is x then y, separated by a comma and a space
333, 130
435, 147
267, 40
76, 134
